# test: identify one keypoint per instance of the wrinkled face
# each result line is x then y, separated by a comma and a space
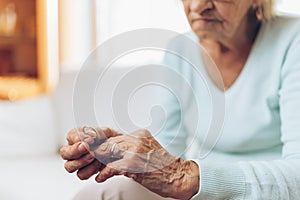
218, 18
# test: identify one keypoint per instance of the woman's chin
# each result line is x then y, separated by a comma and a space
204, 34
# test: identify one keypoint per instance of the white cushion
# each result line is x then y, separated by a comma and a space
27, 127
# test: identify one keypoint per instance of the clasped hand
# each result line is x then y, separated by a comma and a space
139, 156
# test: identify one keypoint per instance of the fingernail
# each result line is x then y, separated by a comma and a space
81, 147
89, 140
77, 138
98, 178
90, 131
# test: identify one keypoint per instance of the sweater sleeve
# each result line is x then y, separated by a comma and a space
172, 136
276, 179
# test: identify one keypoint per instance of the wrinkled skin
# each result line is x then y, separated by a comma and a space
138, 156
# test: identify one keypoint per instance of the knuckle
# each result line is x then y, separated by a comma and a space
142, 133
72, 132
145, 131
88, 158
139, 148
96, 165
110, 140
106, 130
63, 153
73, 135
82, 176
109, 132
111, 169
68, 167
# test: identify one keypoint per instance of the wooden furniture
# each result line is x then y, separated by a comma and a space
25, 42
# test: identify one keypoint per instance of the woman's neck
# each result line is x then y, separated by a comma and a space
239, 45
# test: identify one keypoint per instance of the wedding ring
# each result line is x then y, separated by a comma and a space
90, 131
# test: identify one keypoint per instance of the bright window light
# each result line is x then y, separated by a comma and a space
289, 6
118, 16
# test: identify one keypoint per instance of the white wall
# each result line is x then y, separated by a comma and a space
76, 31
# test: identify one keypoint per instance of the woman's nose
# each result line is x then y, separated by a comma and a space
199, 5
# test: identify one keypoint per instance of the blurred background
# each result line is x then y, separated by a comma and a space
43, 45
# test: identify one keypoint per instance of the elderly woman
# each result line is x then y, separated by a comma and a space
257, 55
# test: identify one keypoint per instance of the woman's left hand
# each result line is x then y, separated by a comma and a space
140, 157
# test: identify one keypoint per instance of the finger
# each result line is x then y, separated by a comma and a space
73, 165
96, 136
105, 133
73, 136
90, 135
74, 151
112, 169
104, 150
111, 148
142, 133
88, 171
78, 134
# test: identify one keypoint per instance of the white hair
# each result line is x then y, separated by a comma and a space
267, 9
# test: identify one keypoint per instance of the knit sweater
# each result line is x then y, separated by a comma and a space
245, 140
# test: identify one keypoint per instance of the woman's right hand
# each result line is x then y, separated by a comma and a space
77, 153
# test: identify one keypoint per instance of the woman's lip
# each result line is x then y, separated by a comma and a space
203, 19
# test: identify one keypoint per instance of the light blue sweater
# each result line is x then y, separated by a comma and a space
257, 155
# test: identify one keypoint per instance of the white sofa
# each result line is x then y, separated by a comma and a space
31, 133
30, 165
